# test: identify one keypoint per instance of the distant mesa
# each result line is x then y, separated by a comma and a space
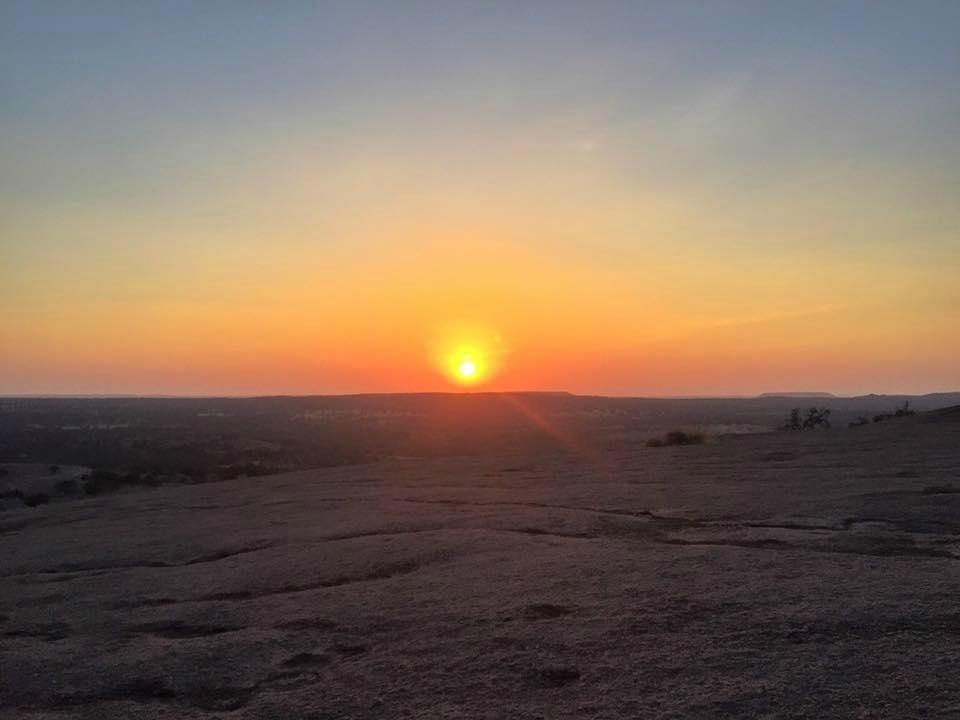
798, 395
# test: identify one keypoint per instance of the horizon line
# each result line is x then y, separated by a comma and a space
797, 394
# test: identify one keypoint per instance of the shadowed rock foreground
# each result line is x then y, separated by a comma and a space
782, 575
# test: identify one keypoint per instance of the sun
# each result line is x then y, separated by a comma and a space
467, 354
467, 366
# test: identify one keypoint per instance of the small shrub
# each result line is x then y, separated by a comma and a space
816, 417
857, 422
678, 437
101, 481
250, 469
794, 422
940, 490
66, 487
136, 478
904, 411
35, 499
151, 480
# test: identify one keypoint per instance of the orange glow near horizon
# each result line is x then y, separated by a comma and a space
619, 201
468, 355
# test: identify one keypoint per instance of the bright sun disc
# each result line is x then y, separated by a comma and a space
468, 355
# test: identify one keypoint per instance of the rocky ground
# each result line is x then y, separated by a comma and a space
780, 575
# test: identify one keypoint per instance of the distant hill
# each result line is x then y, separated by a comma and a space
930, 401
798, 395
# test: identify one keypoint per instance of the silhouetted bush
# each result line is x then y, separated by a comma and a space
940, 490
816, 417
66, 487
857, 422
101, 481
794, 422
35, 499
232, 472
677, 437
903, 411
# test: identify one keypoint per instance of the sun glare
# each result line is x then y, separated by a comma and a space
467, 366
468, 354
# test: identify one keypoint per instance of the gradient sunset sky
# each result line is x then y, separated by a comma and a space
637, 198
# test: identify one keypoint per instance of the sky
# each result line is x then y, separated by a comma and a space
632, 198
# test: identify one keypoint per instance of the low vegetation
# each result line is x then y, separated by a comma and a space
816, 418
133, 442
104, 481
28, 499
678, 437
940, 490
66, 487
901, 411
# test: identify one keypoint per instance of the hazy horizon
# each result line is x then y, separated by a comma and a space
633, 199
799, 394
